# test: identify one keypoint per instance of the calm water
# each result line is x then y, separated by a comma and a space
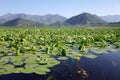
104, 67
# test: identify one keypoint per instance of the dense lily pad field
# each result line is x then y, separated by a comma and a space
36, 50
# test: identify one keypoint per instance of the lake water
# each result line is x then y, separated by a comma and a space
104, 67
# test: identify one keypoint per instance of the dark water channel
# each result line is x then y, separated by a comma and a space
104, 67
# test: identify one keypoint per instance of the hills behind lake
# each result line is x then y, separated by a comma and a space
46, 19
85, 18
50, 19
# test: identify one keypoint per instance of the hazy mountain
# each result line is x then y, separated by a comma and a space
22, 23
47, 19
111, 18
85, 18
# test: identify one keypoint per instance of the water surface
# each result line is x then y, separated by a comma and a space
104, 67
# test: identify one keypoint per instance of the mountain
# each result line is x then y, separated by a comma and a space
111, 18
22, 23
46, 19
84, 18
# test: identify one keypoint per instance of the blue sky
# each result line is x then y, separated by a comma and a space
65, 8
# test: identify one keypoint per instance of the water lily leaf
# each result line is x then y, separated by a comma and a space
53, 62
100, 51
4, 60
1, 54
90, 56
31, 59
1, 66
42, 55
18, 63
51, 77
41, 68
62, 58
71, 55
18, 70
2, 71
31, 65
40, 72
74, 55
42, 61
28, 70
8, 66
16, 60
29, 55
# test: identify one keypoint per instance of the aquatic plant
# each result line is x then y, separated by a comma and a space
32, 50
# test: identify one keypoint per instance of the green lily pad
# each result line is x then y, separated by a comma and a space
28, 70
18, 63
8, 67
90, 56
2, 71
100, 51
41, 68
1, 66
30, 61
62, 58
42, 61
40, 72
31, 65
18, 70
4, 60
74, 55
53, 62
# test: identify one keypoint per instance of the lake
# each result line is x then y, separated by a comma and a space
104, 67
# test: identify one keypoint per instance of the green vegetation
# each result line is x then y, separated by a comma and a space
32, 50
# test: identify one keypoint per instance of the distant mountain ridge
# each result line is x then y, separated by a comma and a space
111, 18
54, 20
46, 19
19, 22
85, 18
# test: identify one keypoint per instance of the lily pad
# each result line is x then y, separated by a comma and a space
62, 58
28, 70
18, 70
2, 71
18, 63
4, 60
41, 68
40, 72
90, 56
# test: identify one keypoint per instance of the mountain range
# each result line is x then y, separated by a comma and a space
19, 22
46, 19
55, 20
85, 18
111, 18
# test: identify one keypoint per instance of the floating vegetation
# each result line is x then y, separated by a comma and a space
26, 64
62, 58
90, 56
31, 50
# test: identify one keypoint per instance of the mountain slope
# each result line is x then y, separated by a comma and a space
111, 18
22, 23
85, 18
47, 19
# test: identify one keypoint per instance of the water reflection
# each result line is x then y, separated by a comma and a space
104, 67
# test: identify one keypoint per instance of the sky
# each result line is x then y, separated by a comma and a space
67, 8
